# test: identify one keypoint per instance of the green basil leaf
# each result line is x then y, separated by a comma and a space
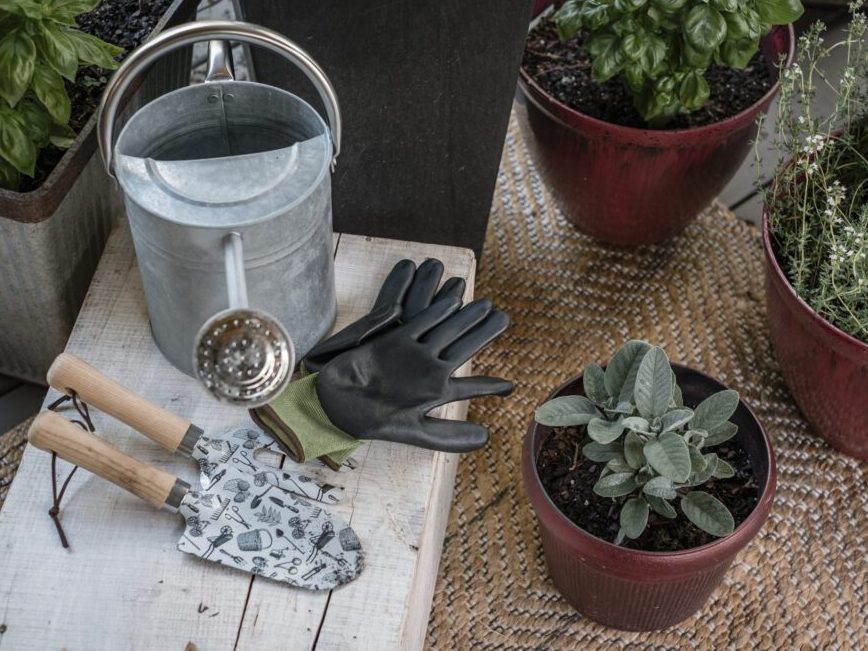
737, 54
568, 19
25, 8
48, 86
61, 136
9, 176
708, 513
607, 58
17, 61
58, 51
16, 147
779, 12
93, 51
65, 11
35, 120
704, 28
694, 91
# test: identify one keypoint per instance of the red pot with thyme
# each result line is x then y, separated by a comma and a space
657, 561
645, 178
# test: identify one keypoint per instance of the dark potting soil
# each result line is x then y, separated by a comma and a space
569, 478
125, 23
563, 70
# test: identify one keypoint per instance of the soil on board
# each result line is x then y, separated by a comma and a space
563, 70
125, 23
569, 478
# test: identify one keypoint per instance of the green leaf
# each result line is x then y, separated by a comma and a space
669, 456
9, 176
653, 57
65, 11
723, 470
620, 376
637, 424
17, 61
694, 58
595, 14
633, 450
565, 411
670, 6
49, 89
653, 389
25, 8
696, 437
697, 461
568, 19
704, 28
660, 487
634, 517
623, 408
677, 398
699, 478
676, 418
599, 453
661, 507
737, 26
737, 54
725, 5
615, 485
93, 51
708, 513
779, 12
633, 46
721, 434
693, 92
619, 464
16, 147
595, 384
606, 57
35, 120
58, 51
605, 431
61, 136
715, 410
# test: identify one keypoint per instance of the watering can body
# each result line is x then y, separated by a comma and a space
229, 157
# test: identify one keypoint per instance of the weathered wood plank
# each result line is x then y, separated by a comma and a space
123, 585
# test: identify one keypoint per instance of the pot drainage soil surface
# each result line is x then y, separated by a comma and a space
563, 70
569, 478
125, 23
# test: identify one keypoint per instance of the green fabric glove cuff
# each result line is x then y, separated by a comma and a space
297, 421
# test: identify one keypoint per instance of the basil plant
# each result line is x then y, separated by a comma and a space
655, 450
40, 46
662, 48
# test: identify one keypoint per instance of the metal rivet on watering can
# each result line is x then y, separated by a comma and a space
228, 182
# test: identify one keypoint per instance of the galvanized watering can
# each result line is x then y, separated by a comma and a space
227, 187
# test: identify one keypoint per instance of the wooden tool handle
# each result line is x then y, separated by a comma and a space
53, 433
68, 373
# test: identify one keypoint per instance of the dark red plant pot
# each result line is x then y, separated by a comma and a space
825, 368
631, 186
637, 590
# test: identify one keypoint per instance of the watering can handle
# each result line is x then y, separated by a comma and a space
188, 33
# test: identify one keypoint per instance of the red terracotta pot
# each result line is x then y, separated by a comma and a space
825, 368
637, 590
630, 186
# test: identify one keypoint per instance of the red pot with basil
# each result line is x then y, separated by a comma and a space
627, 587
627, 185
825, 368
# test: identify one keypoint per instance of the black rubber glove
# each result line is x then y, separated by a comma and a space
404, 294
384, 388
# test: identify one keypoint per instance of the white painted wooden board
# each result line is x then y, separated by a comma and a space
123, 585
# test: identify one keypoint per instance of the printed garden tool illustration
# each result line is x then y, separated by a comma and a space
235, 448
285, 540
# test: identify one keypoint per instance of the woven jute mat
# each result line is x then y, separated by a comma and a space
11, 448
801, 584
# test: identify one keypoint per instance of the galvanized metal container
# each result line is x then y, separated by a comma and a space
227, 157
51, 238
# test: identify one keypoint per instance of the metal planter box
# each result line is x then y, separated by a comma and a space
51, 239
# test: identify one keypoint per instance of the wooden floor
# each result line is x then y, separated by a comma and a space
19, 401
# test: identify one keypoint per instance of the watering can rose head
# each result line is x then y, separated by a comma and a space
655, 449
39, 48
662, 48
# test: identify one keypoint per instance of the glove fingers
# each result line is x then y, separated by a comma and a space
395, 287
422, 289
455, 286
451, 435
466, 388
471, 343
351, 336
430, 317
451, 330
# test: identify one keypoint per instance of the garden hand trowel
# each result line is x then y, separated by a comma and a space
236, 448
286, 539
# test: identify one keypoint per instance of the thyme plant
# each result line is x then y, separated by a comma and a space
655, 450
818, 203
662, 48
40, 46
